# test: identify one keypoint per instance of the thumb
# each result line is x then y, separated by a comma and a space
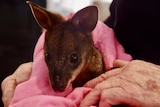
119, 63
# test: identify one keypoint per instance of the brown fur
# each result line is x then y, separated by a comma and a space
69, 50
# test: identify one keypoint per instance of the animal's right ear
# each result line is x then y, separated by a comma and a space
44, 18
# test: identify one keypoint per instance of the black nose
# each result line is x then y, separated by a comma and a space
58, 87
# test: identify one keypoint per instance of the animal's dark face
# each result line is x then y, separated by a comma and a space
67, 51
68, 44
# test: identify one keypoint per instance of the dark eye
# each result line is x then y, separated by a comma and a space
73, 58
47, 56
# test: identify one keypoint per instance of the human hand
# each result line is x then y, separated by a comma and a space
135, 83
9, 84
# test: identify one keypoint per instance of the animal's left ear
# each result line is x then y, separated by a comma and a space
86, 18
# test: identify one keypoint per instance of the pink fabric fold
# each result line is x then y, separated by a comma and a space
37, 92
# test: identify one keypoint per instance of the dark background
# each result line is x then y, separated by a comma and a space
18, 35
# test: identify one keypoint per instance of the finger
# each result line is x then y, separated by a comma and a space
23, 72
8, 86
116, 96
120, 63
92, 83
9, 83
91, 99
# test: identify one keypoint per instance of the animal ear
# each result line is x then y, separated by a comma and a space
43, 17
86, 18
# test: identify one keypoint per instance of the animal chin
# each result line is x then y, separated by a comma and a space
59, 85
58, 88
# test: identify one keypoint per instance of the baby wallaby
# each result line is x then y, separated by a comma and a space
68, 49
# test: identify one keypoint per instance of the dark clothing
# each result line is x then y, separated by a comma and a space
137, 27
19, 33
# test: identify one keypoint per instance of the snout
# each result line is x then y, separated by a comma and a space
58, 83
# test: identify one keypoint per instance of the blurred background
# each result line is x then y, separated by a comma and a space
19, 31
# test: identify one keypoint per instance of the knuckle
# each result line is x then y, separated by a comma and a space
6, 81
98, 87
136, 61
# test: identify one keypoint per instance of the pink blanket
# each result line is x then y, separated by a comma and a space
37, 92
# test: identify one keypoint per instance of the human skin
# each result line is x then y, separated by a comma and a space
135, 83
9, 84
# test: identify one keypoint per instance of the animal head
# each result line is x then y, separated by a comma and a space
68, 44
